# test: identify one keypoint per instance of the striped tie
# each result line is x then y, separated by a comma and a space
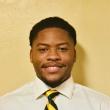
51, 104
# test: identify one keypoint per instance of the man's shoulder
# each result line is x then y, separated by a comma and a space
92, 94
23, 91
19, 98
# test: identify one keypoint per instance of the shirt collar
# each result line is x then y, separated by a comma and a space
65, 88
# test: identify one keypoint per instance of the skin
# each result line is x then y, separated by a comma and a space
53, 55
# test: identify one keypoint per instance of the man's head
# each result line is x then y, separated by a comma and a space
52, 54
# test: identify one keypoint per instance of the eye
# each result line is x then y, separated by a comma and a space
42, 50
63, 49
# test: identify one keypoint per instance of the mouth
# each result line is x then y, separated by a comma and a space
52, 68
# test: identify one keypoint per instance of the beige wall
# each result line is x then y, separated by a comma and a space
91, 18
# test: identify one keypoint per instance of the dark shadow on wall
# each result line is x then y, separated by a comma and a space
78, 71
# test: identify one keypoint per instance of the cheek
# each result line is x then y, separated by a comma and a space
68, 61
37, 59
69, 58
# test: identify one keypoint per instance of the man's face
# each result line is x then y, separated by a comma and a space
52, 55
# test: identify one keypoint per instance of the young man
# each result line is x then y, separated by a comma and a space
53, 54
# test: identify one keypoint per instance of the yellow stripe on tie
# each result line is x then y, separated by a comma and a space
50, 107
50, 92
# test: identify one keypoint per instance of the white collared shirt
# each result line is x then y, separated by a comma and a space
72, 97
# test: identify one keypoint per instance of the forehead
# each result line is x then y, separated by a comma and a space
53, 35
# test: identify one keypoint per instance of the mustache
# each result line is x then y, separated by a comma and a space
53, 65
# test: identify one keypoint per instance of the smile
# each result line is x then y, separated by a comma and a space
52, 69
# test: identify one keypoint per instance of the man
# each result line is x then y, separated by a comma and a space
53, 55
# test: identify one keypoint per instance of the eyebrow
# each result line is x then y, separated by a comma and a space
45, 44
42, 44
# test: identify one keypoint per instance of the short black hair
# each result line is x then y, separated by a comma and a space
52, 22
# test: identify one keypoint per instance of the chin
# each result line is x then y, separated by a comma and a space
53, 83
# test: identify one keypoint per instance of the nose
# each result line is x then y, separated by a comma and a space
53, 55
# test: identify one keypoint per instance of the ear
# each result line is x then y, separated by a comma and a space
74, 54
31, 55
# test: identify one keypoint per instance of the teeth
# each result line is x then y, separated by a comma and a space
52, 69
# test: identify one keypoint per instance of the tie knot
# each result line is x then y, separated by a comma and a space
51, 94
